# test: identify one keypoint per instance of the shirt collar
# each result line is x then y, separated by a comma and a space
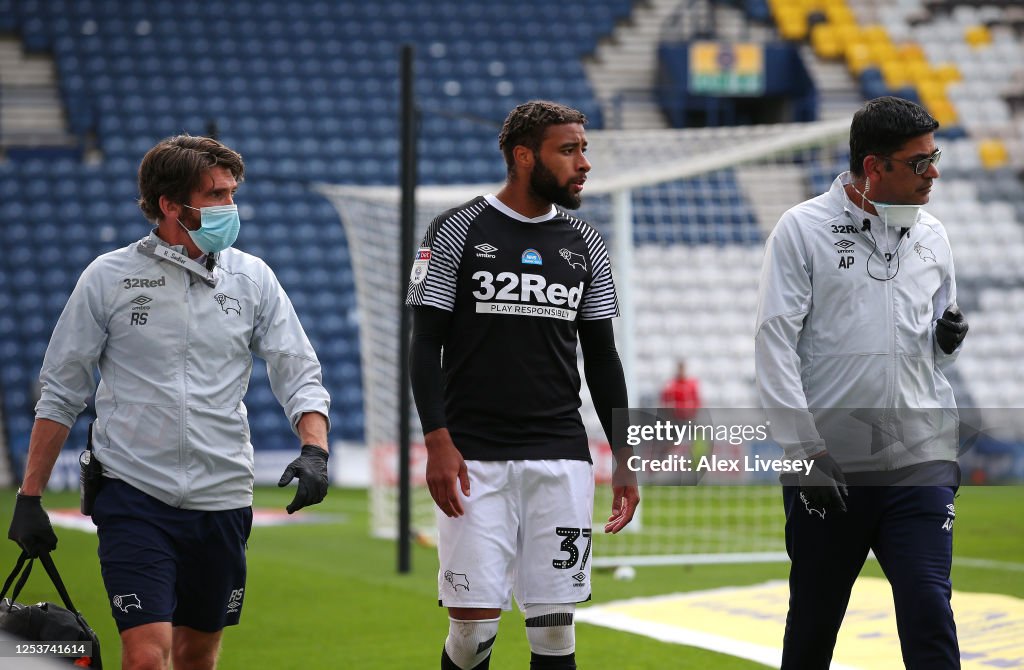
838, 193
493, 201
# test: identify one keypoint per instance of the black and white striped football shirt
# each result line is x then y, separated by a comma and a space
516, 288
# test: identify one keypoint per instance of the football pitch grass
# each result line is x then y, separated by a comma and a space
328, 596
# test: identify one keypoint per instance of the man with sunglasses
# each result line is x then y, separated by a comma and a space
857, 322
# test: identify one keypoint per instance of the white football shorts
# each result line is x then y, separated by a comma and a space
526, 531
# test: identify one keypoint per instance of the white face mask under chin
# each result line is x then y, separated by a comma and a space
893, 216
897, 216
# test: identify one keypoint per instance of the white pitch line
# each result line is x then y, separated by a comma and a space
987, 564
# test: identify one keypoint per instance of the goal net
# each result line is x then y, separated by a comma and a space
685, 213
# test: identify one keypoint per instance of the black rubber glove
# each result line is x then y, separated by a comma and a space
951, 329
825, 486
30, 526
311, 469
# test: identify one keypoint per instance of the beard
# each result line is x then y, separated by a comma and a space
544, 184
190, 219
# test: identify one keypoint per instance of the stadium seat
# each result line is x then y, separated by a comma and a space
308, 90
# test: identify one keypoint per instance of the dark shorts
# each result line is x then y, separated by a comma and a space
161, 563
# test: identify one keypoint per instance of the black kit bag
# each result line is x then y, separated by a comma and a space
47, 622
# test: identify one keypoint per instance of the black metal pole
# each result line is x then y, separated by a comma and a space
408, 219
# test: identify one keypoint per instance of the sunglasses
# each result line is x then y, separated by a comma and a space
921, 165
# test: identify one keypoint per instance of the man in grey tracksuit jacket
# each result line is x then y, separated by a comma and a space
172, 322
856, 322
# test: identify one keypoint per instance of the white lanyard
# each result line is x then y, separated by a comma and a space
168, 254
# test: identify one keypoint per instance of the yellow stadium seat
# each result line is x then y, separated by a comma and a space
918, 70
944, 112
875, 34
948, 72
911, 51
846, 33
784, 6
993, 154
978, 36
792, 25
895, 74
932, 90
840, 14
858, 57
883, 52
825, 42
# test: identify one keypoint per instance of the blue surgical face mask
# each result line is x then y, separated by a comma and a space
218, 227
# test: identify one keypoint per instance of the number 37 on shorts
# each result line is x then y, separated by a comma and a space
570, 535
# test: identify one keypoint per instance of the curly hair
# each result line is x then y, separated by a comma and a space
883, 125
526, 124
175, 166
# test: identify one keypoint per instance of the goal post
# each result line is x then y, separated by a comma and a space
685, 213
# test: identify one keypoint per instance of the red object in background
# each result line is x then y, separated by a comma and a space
682, 395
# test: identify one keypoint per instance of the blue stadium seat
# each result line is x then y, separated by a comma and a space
305, 90
9, 327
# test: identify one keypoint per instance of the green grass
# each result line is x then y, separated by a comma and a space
328, 596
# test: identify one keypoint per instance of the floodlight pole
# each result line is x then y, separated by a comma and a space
408, 216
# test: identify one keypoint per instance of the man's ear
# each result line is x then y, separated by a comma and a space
170, 209
524, 157
874, 166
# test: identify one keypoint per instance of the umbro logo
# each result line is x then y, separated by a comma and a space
235, 600
845, 247
142, 300
486, 250
580, 577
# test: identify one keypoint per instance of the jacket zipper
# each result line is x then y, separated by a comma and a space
183, 400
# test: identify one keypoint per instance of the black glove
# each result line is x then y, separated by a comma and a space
824, 487
311, 469
30, 526
951, 329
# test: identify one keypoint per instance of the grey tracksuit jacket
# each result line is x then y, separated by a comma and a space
174, 346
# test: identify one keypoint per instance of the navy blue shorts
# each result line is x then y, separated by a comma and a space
162, 563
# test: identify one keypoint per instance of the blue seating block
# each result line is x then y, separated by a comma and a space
306, 91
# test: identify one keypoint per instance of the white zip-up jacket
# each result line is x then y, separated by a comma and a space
174, 345
846, 362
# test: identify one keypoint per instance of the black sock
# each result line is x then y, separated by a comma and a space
446, 662
449, 664
538, 662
